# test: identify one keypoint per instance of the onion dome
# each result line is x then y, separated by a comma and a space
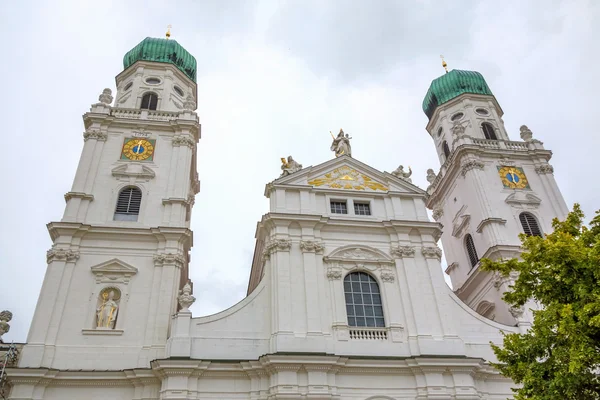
451, 85
165, 51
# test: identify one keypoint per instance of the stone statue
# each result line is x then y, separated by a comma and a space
5, 317
107, 312
526, 133
290, 166
399, 173
185, 297
458, 129
106, 96
431, 176
189, 104
341, 144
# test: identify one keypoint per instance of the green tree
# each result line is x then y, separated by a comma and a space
559, 357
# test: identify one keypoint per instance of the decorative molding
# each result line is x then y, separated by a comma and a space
78, 195
504, 162
460, 225
432, 252
134, 170
519, 199
96, 135
309, 246
61, 255
105, 332
469, 165
345, 177
276, 245
113, 271
544, 169
402, 251
168, 258
359, 254
487, 221
451, 267
387, 275
175, 200
438, 212
334, 273
183, 141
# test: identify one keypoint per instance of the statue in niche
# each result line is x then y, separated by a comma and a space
106, 313
290, 166
341, 144
431, 176
400, 173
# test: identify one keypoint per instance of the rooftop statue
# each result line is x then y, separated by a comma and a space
341, 144
399, 173
289, 167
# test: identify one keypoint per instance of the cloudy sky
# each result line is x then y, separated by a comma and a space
274, 77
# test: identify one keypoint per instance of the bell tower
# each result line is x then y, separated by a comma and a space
489, 188
120, 253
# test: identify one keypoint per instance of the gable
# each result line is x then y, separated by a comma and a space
346, 173
113, 270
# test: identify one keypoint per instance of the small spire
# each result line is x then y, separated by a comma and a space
168, 34
444, 64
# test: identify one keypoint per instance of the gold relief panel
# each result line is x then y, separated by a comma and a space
347, 178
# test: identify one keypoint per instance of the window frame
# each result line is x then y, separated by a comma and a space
469, 253
489, 133
128, 216
149, 101
372, 280
446, 150
362, 203
340, 201
535, 220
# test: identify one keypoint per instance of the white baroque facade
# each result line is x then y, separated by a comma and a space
346, 298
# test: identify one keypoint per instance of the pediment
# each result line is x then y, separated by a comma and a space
134, 170
346, 173
520, 199
358, 253
460, 222
113, 270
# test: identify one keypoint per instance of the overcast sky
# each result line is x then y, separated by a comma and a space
274, 77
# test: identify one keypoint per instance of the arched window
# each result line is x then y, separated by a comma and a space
149, 101
530, 224
471, 252
488, 131
128, 204
363, 300
446, 149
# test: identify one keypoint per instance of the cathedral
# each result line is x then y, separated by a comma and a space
346, 296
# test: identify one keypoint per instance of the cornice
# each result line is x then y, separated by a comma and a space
78, 195
487, 221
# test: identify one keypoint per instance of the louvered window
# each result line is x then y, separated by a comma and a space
128, 204
446, 149
149, 101
471, 252
488, 131
530, 224
363, 301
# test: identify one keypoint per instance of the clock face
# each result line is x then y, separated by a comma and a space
138, 149
513, 177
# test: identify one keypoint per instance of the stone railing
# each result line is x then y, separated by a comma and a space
487, 143
144, 114
368, 333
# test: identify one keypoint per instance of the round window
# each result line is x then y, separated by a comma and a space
128, 86
178, 90
457, 116
152, 81
440, 132
482, 111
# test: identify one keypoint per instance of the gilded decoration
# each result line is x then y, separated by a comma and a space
347, 178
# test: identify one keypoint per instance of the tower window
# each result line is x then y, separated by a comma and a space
482, 111
471, 252
149, 101
530, 224
152, 81
362, 209
440, 131
178, 90
363, 301
339, 207
128, 86
457, 116
446, 149
488, 131
128, 204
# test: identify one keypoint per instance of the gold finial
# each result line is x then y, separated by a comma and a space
168, 34
444, 64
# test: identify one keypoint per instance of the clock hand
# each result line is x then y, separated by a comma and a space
139, 147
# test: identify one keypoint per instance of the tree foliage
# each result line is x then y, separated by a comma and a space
559, 357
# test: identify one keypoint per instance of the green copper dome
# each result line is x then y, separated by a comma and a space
162, 50
451, 85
